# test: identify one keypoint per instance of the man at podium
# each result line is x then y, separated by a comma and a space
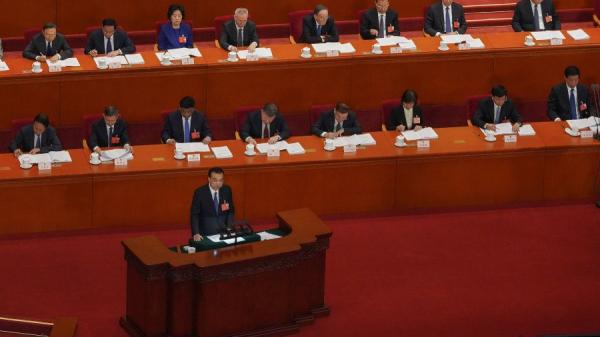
212, 206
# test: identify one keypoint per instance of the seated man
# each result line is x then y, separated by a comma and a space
496, 109
239, 32
569, 100
48, 45
445, 17
337, 122
267, 124
379, 21
38, 137
186, 124
319, 27
534, 16
111, 130
212, 207
109, 41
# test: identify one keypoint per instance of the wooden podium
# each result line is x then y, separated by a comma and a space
254, 289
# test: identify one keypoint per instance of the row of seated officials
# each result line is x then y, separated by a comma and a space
566, 101
443, 17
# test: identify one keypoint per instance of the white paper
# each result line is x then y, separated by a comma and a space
263, 53
501, 129
362, 139
110, 155
526, 130
584, 123
60, 156
264, 147
3, 66
392, 40
345, 48
52, 156
425, 133
70, 62
221, 152
295, 148
548, 35
578, 34
456, 38
264, 236
217, 238
108, 60
135, 58
192, 147
410, 45
475, 44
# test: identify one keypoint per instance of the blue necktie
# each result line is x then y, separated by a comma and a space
381, 26
448, 23
496, 115
573, 104
536, 19
49, 50
318, 30
38, 142
186, 131
108, 46
216, 202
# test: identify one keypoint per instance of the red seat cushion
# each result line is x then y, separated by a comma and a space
296, 22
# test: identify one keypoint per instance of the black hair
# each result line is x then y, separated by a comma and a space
109, 22
409, 96
216, 170
319, 8
342, 107
48, 25
571, 71
499, 91
111, 110
271, 109
173, 8
42, 119
187, 102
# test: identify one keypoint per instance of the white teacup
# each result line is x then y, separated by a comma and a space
443, 45
400, 141
250, 149
179, 153
529, 39
232, 56
36, 66
575, 129
102, 63
94, 157
329, 145
165, 60
376, 48
305, 51
26, 162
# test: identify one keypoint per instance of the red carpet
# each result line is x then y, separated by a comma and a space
512, 272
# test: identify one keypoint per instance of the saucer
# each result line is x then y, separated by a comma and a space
250, 154
26, 167
398, 145
490, 139
326, 149
36, 72
105, 67
95, 162
377, 52
443, 49
306, 56
230, 60
529, 44
179, 158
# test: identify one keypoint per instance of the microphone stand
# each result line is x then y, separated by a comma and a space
595, 88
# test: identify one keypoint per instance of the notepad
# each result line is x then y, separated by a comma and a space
578, 34
264, 147
526, 130
110, 155
135, 58
410, 45
392, 41
456, 38
583, 123
501, 129
295, 148
475, 44
222, 152
263, 53
70, 62
345, 48
264, 236
108, 60
52, 156
357, 140
179, 53
425, 133
192, 147
548, 35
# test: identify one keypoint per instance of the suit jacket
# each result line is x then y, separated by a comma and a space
253, 127
37, 47
204, 218
370, 20
559, 103
174, 127
485, 113
120, 41
99, 135
25, 138
397, 117
229, 34
326, 123
1, 51
434, 21
523, 17
309, 30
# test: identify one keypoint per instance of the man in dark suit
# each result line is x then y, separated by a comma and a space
267, 124
379, 21
337, 122
109, 40
569, 100
445, 17
48, 45
534, 16
38, 137
111, 130
319, 27
239, 32
212, 207
497, 109
186, 124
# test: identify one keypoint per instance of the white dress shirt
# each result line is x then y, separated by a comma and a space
540, 14
408, 115
379, 15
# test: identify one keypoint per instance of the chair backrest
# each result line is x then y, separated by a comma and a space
86, 124
159, 23
218, 24
359, 16
298, 123
315, 111
17, 124
164, 114
296, 22
472, 103
241, 113
597, 8
386, 108
30, 33
89, 30
370, 120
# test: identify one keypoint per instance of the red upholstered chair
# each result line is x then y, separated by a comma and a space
472, 103
86, 127
89, 30
164, 114
315, 111
218, 24
296, 24
359, 15
239, 117
386, 108
30, 33
17, 124
370, 120
597, 12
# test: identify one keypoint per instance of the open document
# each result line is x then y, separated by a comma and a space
222, 152
358, 140
179, 53
110, 155
263, 53
52, 156
343, 48
425, 133
548, 35
70, 62
192, 147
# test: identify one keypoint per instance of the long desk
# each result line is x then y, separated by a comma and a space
459, 170
361, 79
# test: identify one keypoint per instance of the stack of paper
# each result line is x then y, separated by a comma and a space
409, 45
362, 139
192, 147
222, 152
456, 38
52, 156
110, 155
295, 148
501, 129
475, 44
264, 236
392, 41
108, 60
70, 62
584, 123
264, 147
526, 130
578, 34
345, 48
134, 58
548, 35
3, 66
179, 53
263, 53
425, 133
217, 238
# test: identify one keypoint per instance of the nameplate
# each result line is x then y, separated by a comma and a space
114, 65
423, 144
556, 42
121, 162
54, 68
187, 60
333, 53
193, 157
463, 46
510, 138
273, 152
252, 57
44, 166
396, 50
349, 148
587, 134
